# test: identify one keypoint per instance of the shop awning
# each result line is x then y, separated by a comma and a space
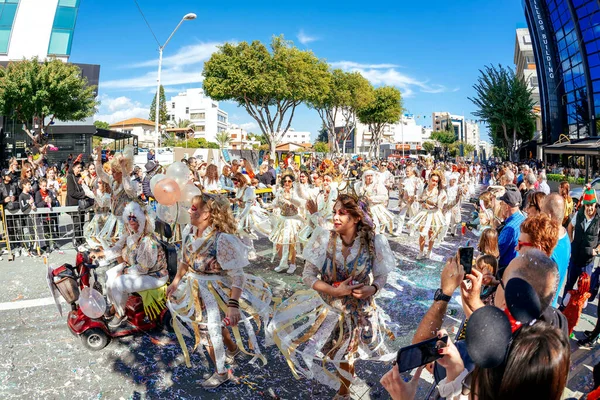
114, 135
588, 146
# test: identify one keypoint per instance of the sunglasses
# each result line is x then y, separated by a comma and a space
132, 218
523, 244
287, 180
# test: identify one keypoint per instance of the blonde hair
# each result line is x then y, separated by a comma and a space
221, 216
115, 165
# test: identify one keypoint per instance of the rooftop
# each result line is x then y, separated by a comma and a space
132, 121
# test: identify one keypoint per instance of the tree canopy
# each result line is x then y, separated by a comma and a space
101, 125
223, 138
428, 146
321, 147
385, 108
268, 84
40, 92
504, 101
162, 111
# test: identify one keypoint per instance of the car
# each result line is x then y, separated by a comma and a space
576, 193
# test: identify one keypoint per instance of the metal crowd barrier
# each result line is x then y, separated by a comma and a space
43, 227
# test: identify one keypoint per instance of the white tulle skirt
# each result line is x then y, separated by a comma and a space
382, 218
258, 220
429, 221
111, 231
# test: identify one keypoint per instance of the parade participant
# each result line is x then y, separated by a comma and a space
143, 261
338, 322
249, 214
452, 209
430, 221
211, 290
374, 193
285, 235
411, 190
321, 209
304, 192
102, 198
210, 181
122, 189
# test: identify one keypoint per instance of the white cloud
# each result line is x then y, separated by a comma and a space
187, 55
304, 38
120, 108
172, 76
387, 74
248, 126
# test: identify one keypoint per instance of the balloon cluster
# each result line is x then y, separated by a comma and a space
174, 193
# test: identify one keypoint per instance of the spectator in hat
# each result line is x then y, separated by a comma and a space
542, 183
151, 170
586, 224
8, 191
508, 238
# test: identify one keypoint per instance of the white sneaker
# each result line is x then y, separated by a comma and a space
231, 355
216, 380
291, 269
252, 255
281, 267
420, 256
428, 256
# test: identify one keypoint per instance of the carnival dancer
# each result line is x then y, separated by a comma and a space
211, 291
123, 189
410, 191
250, 216
430, 221
144, 263
285, 235
452, 211
304, 192
375, 195
338, 321
102, 198
320, 209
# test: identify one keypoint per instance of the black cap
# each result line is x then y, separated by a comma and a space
511, 196
6, 172
150, 165
522, 301
487, 337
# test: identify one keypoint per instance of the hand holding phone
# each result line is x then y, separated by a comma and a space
465, 258
419, 354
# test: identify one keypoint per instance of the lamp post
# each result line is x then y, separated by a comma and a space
186, 17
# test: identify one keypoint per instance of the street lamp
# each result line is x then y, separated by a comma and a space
186, 17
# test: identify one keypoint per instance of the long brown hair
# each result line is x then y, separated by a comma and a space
564, 189
536, 367
241, 178
212, 174
488, 242
221, 216
364, 228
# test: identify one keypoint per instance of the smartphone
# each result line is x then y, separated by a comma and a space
418, 354
465, 255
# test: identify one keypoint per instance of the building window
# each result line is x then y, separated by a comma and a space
187, 110
7, 17
199, 128
198, 115
527, 39
173, 105
222, 118
62, 28
533, 81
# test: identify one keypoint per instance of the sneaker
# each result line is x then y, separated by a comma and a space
420, 256
5, 251
116, 321
428, 256
17, 253
252, 255
231, 355
588, 341
216, 380
291, 269
281, 267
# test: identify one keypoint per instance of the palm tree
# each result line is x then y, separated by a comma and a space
184, 123
223, 138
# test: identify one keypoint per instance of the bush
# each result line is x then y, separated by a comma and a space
570, 179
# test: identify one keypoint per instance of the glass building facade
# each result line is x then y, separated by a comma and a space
63, 27
566, 41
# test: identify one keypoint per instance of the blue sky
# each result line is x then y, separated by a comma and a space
431, 50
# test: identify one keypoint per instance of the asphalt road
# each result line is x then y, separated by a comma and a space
41, 359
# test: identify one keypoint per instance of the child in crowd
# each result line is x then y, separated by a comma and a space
488, 243
488, 266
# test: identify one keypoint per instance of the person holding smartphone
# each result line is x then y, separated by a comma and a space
338, 322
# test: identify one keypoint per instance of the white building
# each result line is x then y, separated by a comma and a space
294, 136
203, 112
525, 62
142, 128
487, 147
239, 139
34, 28
472, 133
440, 122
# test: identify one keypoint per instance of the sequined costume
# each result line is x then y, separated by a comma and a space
376, 196
430, 218
316, 332
251, 217
289, 223
408, 204
324, 215
92, 230
216, 265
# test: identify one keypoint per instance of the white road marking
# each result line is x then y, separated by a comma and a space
17, 305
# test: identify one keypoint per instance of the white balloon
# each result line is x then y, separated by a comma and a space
128, 152
167, 214
92, 303
154, 180
183, 218
188, 191
179, 172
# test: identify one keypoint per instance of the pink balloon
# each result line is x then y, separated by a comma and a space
167, 192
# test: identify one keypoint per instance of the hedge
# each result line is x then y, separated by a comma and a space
570, 179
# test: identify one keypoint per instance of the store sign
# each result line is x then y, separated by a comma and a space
544, 36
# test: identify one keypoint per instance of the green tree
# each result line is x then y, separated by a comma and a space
347, 93
185, 123
504, 101
269, 85
445, 139
37, 92
385, 109
223, 138
101, 125
162, 111
321, 147
468, 149
258, 137
428, 146
323, 136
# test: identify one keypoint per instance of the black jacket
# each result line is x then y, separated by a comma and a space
12, 189
584, 241
40, 203
24, 201
74, 191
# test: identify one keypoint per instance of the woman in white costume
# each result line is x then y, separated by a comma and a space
371, 190
455, 194
143, 263
285, 235
430, 221
250, 216
123, 189
412, 187
321, 208
211, 291
102, 197
337, 322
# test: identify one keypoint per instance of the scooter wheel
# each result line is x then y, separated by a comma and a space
167, 322
94, 339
